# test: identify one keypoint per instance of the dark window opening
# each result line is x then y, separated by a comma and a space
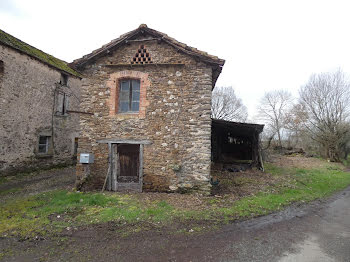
2, 67
44, 144
129, 96
64, 79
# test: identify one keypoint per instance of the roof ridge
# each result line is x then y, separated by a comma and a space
143, 27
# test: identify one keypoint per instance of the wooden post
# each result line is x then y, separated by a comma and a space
141, 168
109, 184
115, 166
255, 150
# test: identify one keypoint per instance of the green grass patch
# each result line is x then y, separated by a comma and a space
303, 185
48, 213
9, 191
3, 180
346, 162
54, 211
273, 169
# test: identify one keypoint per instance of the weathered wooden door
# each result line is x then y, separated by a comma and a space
126, 167
128, 163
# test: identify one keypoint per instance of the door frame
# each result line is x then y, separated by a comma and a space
112, 183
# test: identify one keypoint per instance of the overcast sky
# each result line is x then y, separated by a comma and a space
267, 44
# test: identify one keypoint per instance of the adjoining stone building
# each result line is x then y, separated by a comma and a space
150, 96
39, 101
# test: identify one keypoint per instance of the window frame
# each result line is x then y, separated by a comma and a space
47, 145
130, 95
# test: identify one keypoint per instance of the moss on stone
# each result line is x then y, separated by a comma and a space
21, 46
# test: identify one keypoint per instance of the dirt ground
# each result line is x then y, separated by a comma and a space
299, 161
37, 182
241, 241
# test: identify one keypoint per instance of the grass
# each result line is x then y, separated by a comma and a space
303, 186
3, 180
54, 211
9, 191
346, 162
49, 213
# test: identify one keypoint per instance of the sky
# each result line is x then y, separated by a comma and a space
267, 45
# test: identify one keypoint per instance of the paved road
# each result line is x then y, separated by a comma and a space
328, 238
316, 233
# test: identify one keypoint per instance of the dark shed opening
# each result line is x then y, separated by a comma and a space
233, 142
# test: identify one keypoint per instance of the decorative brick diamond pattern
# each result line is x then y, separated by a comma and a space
142, 56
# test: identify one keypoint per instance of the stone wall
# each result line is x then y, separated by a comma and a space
174, 115
28, 100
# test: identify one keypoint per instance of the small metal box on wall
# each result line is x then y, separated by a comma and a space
86, 158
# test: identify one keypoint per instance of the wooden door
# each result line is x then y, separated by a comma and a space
128, 163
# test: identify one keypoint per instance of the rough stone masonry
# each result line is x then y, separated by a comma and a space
174, 109
29, 91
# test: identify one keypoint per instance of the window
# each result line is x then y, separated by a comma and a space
44, 144
64, 80
1, 67
129, 96
62, 104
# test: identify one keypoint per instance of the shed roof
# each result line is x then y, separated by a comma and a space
237, 127
14, 43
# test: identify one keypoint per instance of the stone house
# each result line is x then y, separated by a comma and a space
39, 98
150, 96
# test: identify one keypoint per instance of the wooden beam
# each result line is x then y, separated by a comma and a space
123, 141
79, 112
142, 40
147, 64
115, 167
141, 167
109, 185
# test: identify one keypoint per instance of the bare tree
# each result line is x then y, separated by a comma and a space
227, 106
295, 120
326, 99
273, 108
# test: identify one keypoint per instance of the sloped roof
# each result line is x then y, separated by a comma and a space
13, 42
239, 128
142, 29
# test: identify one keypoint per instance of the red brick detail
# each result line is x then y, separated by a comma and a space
113, 85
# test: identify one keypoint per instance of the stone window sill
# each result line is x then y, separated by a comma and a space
127, 113
38, 155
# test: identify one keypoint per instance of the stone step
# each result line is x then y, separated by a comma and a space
129, 187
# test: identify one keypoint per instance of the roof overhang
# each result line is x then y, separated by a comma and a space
239, 129
151, 34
